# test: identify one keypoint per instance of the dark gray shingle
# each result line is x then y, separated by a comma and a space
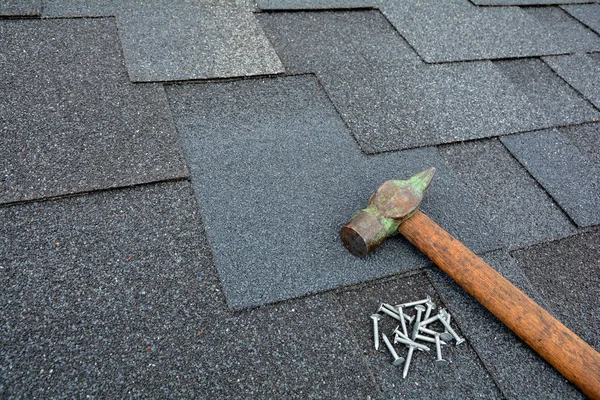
506, 195
70, 119
13, 8
456, 30
588, 14
582, 71
565, 172
392, 100
519, 371
277, 174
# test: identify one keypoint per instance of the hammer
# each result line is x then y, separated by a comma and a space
394, 208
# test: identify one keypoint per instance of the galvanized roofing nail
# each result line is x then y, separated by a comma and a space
420, 308
376, 318
385, 310
438, 349
397, 360
414, 303
402, 321
446, 335
430, 320
409, 342
458, 339
411, 350
429, 331
427, 339
430, 306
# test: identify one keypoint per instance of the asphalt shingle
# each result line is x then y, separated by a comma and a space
565, 273
392, 100
465, 377
518, 370
277, 174
182, 40
587, 14
457, 30
12, 8
526, 2
582, 71
564, 171
313, 4
506, 195
77, 123
113, 294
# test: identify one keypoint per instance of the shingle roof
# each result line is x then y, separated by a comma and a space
174, 175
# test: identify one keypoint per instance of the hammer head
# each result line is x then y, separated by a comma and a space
393, 203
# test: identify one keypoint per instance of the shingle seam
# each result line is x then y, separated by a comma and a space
357, 353
583, 96
457, 323
88, 192
541, 187
581, 22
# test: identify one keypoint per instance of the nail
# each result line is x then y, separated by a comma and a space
414, 303
430, 306
458, 339
427, 339
402, 322
429, 331
385, 310
376, 318
438, 349
397, 360
411, 350
409, 342
429, 320
446, 335
420, 308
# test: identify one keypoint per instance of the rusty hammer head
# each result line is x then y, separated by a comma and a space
393, 203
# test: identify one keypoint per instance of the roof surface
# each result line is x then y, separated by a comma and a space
174, 175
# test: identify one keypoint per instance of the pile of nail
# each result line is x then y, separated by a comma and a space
415, 329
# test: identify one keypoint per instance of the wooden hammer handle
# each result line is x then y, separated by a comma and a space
567, 352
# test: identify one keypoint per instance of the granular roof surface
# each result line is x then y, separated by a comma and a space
174, 175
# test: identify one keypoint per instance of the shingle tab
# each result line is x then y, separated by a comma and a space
582, 71
424, 380
313, 4
13, 8
517, 369
506, 195
164, 44
565, 273
527, 2
570, 178
115, 292
277, 174
392, 100
182, 40
77, 123
456, 30
588, 14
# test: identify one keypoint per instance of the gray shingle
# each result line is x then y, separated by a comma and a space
13, 8
456, 30
313, 4
517, 369
171, 43
277, 174
526, 2
506, 195
424, 380
588, 14
165, 40
565, 272
392, 100
77, 123
570, 178
128, 304
582, 71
